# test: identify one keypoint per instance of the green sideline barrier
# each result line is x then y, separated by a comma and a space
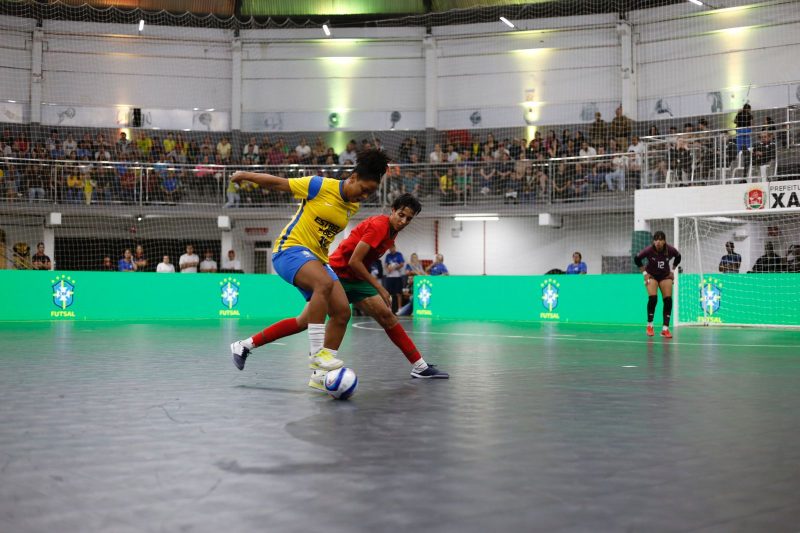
57, 295
616, 299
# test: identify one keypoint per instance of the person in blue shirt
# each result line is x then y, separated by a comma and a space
126, 264
393, 279
437, 268
577, 266
730, 262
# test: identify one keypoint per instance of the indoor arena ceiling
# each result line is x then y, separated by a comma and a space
360, 11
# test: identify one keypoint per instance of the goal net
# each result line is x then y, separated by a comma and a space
735, 268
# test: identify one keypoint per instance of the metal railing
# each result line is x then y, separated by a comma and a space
721, 156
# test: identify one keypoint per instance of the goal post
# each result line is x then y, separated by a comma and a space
739, 268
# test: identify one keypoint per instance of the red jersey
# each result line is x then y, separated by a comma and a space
374, 231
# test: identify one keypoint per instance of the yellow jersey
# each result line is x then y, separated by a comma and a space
323, 213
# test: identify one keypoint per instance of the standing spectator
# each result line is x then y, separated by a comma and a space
40, 261
139, 259
769, 262
231, 263
437, 268
621, 128
208, 265
188, 262
107, 265
144, 144
764, 153
126, 264
393, 277
165, 267
577, 266
743, 121
731, 261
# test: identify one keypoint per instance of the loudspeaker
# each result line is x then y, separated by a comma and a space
136, 119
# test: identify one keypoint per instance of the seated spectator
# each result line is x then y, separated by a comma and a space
74, 185
488, 176
414, 266
577, 266
595, 179
126, 264
224, 149
586, 150
615, 180
348, 157
70, 145
447, 188
562, 183
731, 261
580, 183
170, 187
437, 268
303, 151
232, 193
230, 263
165, 267
411, 183
208, 264
123, 145
770, 261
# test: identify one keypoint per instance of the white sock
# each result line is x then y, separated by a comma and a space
665, 328
316, 337
650, 324
420, 365
248, 343
333, 352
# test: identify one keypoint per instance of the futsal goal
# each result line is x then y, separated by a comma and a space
739, 268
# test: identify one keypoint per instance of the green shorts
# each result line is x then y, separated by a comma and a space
357, 290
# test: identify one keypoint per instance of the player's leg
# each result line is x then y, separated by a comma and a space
652, 300
283, 328
666, 295
374, 306
318, 282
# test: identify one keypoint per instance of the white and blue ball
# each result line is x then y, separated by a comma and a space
341, 383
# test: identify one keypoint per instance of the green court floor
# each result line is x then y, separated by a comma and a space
542, 427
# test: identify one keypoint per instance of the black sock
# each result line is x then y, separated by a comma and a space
667, 310
651, 308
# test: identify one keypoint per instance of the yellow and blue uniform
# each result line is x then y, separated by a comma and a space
323, 213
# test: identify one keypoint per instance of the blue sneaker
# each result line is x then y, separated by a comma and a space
240, 353
430, 373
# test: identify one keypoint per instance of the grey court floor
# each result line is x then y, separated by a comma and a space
149, 427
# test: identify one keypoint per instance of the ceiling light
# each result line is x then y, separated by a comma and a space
327, 30
697, 2
471, 217
511, 24
141, 24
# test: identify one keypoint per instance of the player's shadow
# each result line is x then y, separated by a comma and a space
273, 389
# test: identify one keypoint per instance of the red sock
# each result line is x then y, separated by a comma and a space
404, 342
284, 328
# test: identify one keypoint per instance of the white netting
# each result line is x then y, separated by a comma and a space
76, 79
751, 245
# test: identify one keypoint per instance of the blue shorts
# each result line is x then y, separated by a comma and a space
288, 261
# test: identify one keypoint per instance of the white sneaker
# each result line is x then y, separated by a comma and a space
324, 360
317, 380
239, 352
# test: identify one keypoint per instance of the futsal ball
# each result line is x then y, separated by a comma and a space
341, 383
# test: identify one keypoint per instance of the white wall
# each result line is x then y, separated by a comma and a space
549, 71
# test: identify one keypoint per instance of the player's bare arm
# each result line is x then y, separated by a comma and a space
356, 263
266, 181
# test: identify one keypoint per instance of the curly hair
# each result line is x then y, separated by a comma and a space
371, 164
407, 200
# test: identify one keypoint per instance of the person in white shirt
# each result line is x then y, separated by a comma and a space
586, 150
230, 262
165, 266
303, 150
208, 264
615, 180
189, 261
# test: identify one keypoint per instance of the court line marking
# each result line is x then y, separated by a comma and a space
361, 325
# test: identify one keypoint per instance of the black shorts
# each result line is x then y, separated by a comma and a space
661, 277
393, 285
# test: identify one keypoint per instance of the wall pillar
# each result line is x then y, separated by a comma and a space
628, 72
36, 76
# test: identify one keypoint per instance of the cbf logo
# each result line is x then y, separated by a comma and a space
229, 296
550, 289
63, 295
423, 296
710, 299
755, 198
